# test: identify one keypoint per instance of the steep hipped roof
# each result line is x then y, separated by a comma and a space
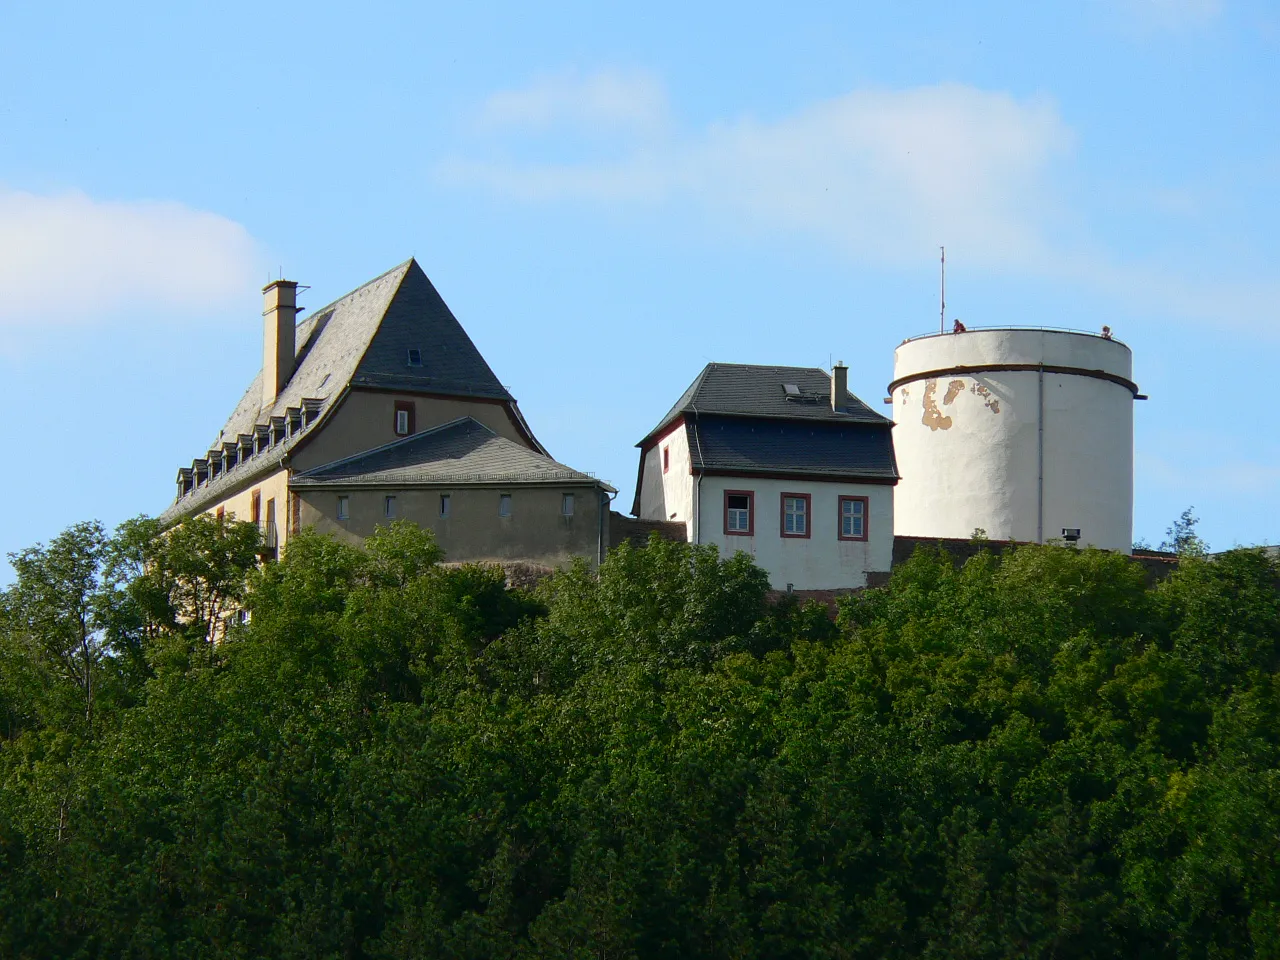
461, 452
363, 339
743, 390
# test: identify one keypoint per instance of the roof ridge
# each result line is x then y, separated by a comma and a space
439, 428
373, 334
351, 293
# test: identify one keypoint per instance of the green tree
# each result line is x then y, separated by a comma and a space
1181, 537
50, 616
1036, 754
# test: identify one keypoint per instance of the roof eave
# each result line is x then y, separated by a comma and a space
356, 483
790, 471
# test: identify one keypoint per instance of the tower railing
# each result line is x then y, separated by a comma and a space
1028, 329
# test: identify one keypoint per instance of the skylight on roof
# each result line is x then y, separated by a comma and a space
791, 389
415, 357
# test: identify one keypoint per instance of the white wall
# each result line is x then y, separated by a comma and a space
968, 445
668, 496
820, 562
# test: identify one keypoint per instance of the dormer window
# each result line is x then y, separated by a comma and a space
415, 357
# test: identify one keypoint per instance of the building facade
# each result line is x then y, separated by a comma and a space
781, 463
373, 407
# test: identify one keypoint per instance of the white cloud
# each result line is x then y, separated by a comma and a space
610, 99
885, 176
1172, 14
882, 173
69, 257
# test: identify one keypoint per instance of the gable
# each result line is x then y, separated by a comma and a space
418, 319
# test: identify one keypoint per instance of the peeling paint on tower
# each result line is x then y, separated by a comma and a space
933, 418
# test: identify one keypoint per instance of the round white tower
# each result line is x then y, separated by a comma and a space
1023, 433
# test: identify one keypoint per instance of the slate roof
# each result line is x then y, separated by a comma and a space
261, 465
740, 420
738, 389
363, 339
817, 448
461, 452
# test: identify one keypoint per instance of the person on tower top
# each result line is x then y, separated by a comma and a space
958, 327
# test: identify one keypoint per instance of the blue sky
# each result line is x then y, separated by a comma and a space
609, 196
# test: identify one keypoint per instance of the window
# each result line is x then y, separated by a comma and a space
504, 505
444, 504
795, 514
666, 459
389, 508
739, 517
255, 506
404, 418
566, 505
344, 508
853, 518
415, 357
222, 513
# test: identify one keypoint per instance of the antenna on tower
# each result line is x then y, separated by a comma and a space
942, 307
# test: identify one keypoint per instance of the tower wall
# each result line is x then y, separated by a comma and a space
1018, 432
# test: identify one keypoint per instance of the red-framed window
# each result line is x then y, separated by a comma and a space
797, 515
666, 459
402, 421
854, 517
739, 513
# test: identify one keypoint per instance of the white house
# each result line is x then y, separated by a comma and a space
782, 463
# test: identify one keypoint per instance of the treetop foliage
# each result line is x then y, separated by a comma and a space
369, 753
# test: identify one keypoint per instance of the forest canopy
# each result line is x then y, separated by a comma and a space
367, 753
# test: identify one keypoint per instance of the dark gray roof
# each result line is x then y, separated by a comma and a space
737, 389
818, 448
361, 339
364, 338
417, 318
463, 451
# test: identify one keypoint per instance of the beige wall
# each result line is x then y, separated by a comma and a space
366, 420
536, 531
238, 505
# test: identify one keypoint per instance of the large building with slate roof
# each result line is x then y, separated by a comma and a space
782, 463
379, 407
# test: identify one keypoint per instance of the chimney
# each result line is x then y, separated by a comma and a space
839, 387
279, 314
